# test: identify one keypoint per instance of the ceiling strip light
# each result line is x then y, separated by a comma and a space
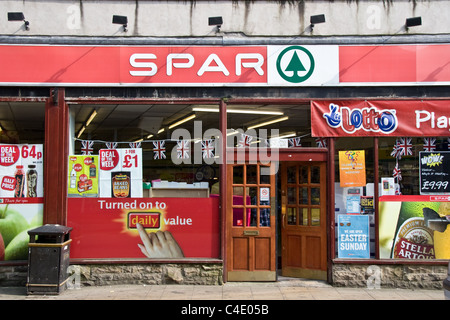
91, 117
248, 111
182, 121
267, 123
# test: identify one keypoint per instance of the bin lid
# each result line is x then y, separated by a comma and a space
50, 229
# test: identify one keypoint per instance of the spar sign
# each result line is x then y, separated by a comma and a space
380, 118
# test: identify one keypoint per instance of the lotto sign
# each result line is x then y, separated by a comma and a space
120, 173
21, 170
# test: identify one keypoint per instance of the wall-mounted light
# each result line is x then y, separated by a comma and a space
18, 16
413, 22
123, 20
313, 20
215, 21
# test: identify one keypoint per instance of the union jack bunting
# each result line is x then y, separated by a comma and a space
111, 145
294, 142
397, 173
87, 147
396, 150
245, 140
208, 148
321, 142
135, 145
159, 150
429, 144
183, 148
405, 147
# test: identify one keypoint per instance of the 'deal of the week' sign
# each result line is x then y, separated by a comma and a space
291, 65
407, 118
21, 171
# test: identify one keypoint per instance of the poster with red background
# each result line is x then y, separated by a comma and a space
106, 227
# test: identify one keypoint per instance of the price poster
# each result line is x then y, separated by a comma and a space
21, 170
83, 175
434, 172
120, 174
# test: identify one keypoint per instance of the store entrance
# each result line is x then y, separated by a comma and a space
303, 220
251, 227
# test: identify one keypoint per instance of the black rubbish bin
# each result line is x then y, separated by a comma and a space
48, 259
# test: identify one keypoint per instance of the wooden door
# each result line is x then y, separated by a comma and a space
303, 220
251, 226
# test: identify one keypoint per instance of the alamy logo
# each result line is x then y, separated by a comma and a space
295, 64
368, 119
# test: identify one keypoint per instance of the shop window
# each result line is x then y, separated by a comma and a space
141, 171
354, 196
22, 133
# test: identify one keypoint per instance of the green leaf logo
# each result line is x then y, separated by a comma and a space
295, 65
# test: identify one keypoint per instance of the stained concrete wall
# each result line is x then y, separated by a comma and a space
246, 18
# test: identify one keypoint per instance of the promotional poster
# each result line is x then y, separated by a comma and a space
405, 231
147, 228
83, 175
352, 168
21, 197
120, 174
353, 236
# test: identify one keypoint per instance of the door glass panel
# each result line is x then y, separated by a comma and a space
252, 174
264, 178
315, 174
253, 217
303, 216
302, 195
315, 216
238, 173
303, 174
291, 195
291, 216
253, 194
264, 217
291, 172
315, 196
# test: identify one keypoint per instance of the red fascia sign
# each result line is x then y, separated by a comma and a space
106, 228
290, 65
402, 118
114, 65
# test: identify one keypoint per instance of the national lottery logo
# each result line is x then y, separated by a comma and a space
368, 119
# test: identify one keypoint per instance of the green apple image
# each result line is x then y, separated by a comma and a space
38, 219
17, 249
11, 223
2, 248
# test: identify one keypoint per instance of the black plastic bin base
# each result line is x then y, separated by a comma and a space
39, 289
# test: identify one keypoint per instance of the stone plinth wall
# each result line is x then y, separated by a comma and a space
389, 276
177, 273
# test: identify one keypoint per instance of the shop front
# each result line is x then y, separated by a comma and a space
204, 164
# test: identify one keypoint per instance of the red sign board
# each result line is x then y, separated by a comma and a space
108, 227
402, 118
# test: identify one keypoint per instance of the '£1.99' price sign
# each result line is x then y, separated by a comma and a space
21, 170
120, 173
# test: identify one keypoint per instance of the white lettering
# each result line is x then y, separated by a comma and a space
183, 56
150, 65
207, 67
255, 65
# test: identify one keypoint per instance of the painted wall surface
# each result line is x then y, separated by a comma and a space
242, 18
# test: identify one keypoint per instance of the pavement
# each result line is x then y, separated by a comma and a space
284, 289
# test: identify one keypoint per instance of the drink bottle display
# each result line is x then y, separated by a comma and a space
19, 186
32, 181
